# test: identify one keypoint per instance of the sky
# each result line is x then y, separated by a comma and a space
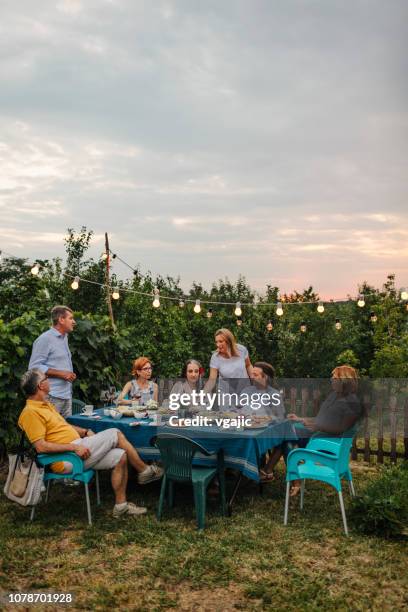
210, 139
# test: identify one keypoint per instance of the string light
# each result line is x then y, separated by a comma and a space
209, 313
320, 307
104, 256
269, 326
239, 322
181, 303
361, 301
373, 317
337, 325
35, 269
75, 283
156, 299
303, 327
238, 309
115, 294
279, 309
404, 294
197, 307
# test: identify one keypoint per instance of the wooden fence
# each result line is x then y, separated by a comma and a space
384, 429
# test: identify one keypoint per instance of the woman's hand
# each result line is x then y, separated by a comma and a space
293, 417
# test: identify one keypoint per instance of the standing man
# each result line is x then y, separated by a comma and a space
52, 356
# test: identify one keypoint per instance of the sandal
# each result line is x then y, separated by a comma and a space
266, 476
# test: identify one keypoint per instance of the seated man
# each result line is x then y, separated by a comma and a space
49, 432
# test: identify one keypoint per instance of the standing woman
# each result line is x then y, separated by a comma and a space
230, 361
140, 389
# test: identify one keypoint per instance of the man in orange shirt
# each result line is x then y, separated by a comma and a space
49, 432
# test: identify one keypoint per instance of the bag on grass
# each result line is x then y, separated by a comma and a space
24, 480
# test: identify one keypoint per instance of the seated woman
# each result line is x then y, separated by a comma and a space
140, 389
339, 412
190, 381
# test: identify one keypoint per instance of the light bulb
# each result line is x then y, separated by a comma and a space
239, 322
35, 269
279, 309
209, 313
104, 256
181, 303
238, 309
404, 294
303, 327
320, 307
115, 294
337, 324
361, 301
156, 299
75, 283
373, 317
197, 307
269, 326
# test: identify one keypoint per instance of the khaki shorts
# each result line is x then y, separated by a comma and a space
104, 454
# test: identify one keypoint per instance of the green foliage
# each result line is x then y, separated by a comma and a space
383, 507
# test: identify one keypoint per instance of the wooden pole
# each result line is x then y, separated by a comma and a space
107, 282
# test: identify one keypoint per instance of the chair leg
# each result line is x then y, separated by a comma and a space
170, 495
88, 503
162, 497
302, 494
223, 498
47, 493
352, 490
98, 492
343, 513
32, 513
200, 494
285, 518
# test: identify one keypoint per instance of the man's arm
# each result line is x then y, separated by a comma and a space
39, 359
64, 374
41, 446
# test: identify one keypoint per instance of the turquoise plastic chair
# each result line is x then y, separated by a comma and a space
177, 453
77, 406
78, 474
325, 459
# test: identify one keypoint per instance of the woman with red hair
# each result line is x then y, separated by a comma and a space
140, 389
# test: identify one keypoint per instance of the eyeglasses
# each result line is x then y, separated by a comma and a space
147, 368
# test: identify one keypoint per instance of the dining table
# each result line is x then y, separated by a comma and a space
243, 448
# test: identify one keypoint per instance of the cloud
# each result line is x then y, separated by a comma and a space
268, 139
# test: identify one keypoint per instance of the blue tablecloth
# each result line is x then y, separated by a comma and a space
243, 449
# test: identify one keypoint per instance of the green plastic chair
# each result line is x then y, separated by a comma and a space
177, 453
77, 406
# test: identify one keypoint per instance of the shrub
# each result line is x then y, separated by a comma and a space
382, 509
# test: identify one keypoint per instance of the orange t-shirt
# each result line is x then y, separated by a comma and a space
41, 421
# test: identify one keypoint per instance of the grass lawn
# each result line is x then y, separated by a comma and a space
247, 562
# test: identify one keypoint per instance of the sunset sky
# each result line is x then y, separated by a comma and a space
210, 139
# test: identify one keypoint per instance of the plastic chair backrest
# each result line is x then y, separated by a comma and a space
340, 447
77, 406
177, 454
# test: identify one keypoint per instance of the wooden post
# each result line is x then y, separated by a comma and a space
305, 397
107, 282
367, 449
393, 428
380, 437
